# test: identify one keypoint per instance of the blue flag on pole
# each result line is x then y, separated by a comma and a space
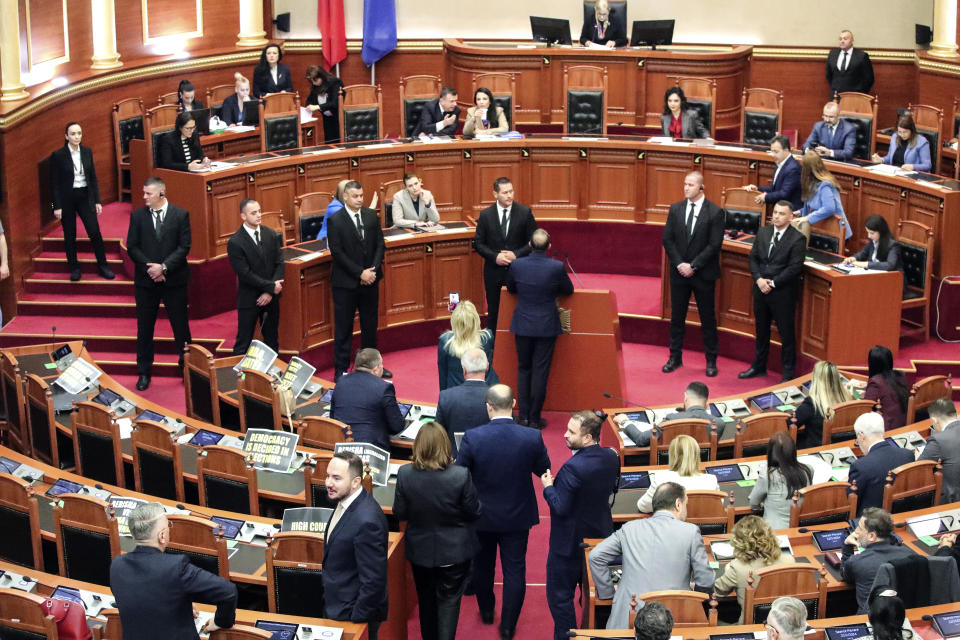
379, 29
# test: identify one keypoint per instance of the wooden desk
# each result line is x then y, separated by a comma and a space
637, 77
834, 307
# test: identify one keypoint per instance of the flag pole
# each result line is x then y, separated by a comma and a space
373, 73
338, 69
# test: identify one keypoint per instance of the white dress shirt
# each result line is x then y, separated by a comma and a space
79, 179
697, 207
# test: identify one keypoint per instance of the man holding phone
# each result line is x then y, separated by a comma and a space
439, 117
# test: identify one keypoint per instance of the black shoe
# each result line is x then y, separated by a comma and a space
506, 634
143, 382
752, 372
105, 272
486, 617
672, 365
386, 374
711, 369
74, 275
523, 422
539, 423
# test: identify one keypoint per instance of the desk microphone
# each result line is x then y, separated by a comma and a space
53, 335
626, 401
566, 260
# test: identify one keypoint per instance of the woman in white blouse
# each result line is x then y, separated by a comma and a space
684, 457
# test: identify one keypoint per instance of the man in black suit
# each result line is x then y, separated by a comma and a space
503, 234
786, 177
73, 179
537, 280
155, 591
158, 242
439, 117
366, 402
880, 457
776, 263
848, 69
254, 253
501, 455
874, 533
692, 238
579, 501
464, 406
355, 549
355, 239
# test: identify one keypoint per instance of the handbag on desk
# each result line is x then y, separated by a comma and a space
564, 315
70, 618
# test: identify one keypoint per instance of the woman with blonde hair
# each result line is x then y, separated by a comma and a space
755, 547
464, 334
821, 194
684, 469
440, 504
231, 111
826, 391
599, 29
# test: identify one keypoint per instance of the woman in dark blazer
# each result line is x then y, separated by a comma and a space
231, 111
601, 29
678, 119
270, 75
887, 386
882, 252
324, 100
180, 149
186, 97
440, 504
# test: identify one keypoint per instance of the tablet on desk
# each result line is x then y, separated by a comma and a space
70, 594
727, 472
280, 630
404, 408
765, 401
107, 397
62, 486
7, 465
231, 527
203, 438
146, 414
830, 540
635, 480
947, 624
327, 396
848, 631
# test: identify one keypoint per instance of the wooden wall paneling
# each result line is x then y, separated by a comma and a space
816, 315
44, 24
875, 197
220, 24
374, 171
442, 175
171, 18
640, 188
610, 185
939, 89
454, 271
324, 176
736, 286
723, 173
223, 202
532, 80
927, 209
556, 185
665, 172
275, 190
729, 94
407, 287
490, 164
317, 306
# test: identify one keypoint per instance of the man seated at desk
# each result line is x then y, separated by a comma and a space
832, 138
366, 402
439, 117
874, 534
695, 401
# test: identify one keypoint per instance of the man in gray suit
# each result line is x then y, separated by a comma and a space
660, 552
465, 406
944, 445
695, 399
414, 206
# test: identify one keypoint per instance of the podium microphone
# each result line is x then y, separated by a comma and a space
566, 259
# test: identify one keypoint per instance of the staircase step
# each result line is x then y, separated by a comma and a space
57, 244
80, 305
57, 263
52, 283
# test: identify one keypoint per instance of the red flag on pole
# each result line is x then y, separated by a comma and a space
333, 32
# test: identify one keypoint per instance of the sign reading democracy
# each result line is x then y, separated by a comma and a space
271, 450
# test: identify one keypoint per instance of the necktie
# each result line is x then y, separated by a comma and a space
843, 63
690, 218
359, 225
156, 220
256, 237
503, 222
773, 245
334, 520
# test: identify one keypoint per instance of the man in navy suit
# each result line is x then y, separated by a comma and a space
366, 402
501, 455
579, 500
870, 471
832, 137
537, 280
464, 406
155, 591
439, 117
786, 177
354, 549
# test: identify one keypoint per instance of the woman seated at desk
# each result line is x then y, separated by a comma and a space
826, 391
479, 120
600, 30
882, 252
684, 459
186, 94
270, 75
821, 194
678, 119
773, 492
324, 98
180, 149
908, 150
231, 112
414, 206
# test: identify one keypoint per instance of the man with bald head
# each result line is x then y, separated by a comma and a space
537, 280
502, 458
832, 138
849, 69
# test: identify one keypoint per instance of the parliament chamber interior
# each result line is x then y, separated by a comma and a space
96, 421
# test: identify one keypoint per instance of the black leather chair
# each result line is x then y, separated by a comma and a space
226, 481
87, 538
361, 113
618, 13
294, 574
742, 213
158, 121
280, 121
761, 114
916, 254
860, 110
96, 444
19, 523
701, 94
416, 91
127, 119
504, 87
929, 121
585, 88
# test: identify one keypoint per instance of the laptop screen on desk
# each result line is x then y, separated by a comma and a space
231, 527
635, 480
766, 401
830, 540
726, 472
63, 486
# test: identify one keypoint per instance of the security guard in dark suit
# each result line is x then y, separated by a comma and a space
537, 280
255, 255
579, 500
